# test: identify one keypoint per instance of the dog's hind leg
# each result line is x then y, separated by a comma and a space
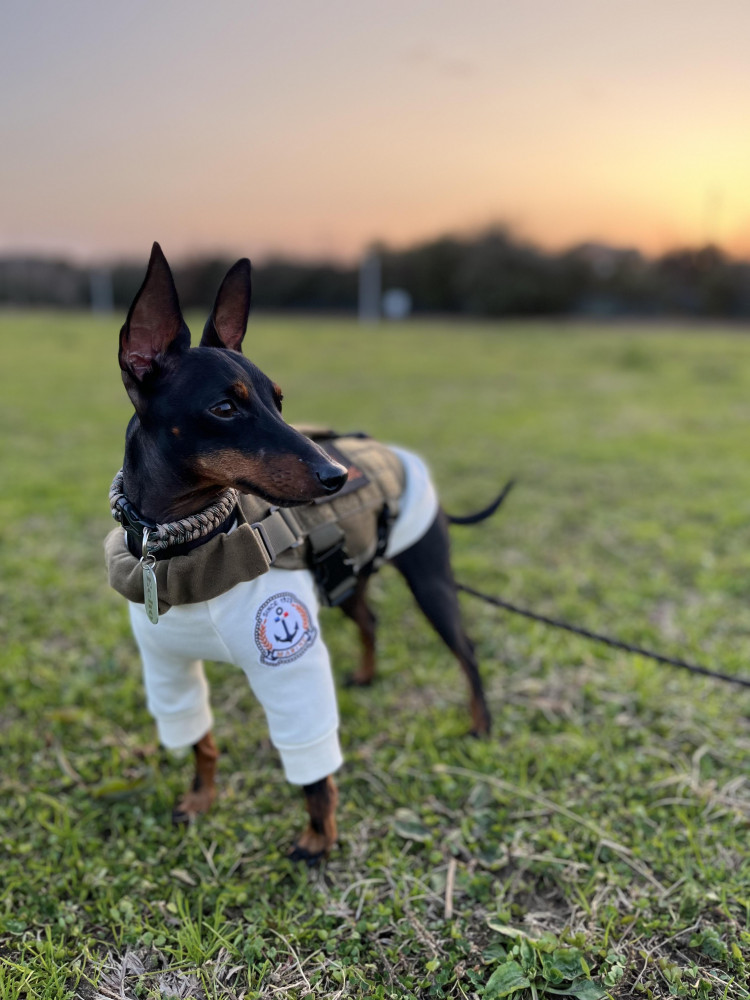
321, 799
200, 797
427, 570
360, 612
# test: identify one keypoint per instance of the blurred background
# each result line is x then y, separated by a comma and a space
481, 158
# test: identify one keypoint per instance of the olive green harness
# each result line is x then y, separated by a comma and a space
337, 538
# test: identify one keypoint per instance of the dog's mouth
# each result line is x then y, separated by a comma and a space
254, 490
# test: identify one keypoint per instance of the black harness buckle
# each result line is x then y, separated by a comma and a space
334, 573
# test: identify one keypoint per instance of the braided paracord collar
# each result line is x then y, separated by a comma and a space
188, 529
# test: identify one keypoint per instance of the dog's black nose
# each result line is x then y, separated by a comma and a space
333, 478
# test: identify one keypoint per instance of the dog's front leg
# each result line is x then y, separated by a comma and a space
321, 799
202, 793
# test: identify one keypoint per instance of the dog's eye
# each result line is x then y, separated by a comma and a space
225, 408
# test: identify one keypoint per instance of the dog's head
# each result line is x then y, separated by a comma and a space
211, 414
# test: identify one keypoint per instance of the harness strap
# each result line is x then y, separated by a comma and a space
279, 530
331, 564
335, 571
386, 517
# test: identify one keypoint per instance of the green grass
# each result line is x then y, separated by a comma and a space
601, 832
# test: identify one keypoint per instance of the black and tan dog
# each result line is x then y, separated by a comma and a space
208, 423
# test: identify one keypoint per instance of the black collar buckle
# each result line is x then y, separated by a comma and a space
132, 521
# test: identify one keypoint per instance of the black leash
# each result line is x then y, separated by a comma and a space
615, 643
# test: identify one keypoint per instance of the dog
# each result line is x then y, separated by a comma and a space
207, 435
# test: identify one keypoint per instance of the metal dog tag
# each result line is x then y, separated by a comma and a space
150, 592
150, 589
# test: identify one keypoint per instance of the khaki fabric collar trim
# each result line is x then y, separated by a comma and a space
200, 575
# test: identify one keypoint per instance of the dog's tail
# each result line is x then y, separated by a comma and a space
482, 515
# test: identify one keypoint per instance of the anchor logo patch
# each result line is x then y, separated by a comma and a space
283, 629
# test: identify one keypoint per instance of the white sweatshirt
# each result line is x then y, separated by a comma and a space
269, 627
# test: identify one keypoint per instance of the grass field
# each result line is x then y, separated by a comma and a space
596, 844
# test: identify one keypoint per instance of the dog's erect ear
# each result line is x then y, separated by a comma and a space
154, 331
227, 323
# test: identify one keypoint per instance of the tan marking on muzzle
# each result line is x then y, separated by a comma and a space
287, 477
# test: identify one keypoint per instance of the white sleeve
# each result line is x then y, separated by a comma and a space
270, 627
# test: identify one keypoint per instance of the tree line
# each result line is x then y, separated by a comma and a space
492, 274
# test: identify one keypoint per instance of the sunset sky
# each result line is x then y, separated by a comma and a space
316, 127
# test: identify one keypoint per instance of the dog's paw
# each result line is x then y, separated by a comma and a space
311, 846
182, 818
192, 805
481, 719
356, 680
479, 734
299, 853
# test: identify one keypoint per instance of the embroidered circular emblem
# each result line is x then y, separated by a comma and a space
283, 629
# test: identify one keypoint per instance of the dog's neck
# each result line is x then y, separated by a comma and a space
157, 489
